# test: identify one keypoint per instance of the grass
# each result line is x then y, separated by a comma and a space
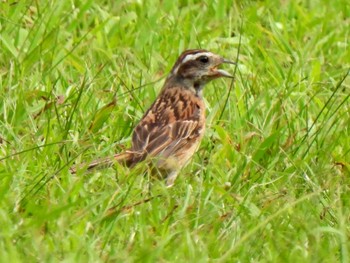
270, 182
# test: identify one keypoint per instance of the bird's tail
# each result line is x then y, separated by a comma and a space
124, 157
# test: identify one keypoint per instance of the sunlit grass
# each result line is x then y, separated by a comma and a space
270, 181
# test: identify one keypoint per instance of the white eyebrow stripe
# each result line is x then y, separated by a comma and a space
195, 56
192, 57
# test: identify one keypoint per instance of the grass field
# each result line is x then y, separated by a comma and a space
271, 180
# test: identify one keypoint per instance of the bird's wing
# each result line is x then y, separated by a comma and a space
176, 117
184, 134
154, 140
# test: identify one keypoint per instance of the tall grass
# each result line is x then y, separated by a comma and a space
270, 182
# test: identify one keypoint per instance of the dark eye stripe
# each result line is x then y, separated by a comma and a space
188, 55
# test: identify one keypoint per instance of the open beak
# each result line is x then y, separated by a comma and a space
224, 73
228, 61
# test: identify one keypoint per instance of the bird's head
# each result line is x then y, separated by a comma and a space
197, 67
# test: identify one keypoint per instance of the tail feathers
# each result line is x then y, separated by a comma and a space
103, 163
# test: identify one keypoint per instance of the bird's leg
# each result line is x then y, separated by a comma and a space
169, 181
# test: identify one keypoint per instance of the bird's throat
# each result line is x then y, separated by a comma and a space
186, 83
198, 87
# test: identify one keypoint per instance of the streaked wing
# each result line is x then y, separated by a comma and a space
184, 134
171, 122
166, 140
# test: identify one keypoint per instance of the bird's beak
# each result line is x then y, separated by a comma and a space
224, 73
228, 61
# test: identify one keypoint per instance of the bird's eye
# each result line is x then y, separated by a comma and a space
204, 59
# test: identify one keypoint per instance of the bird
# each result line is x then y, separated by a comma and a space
171, 130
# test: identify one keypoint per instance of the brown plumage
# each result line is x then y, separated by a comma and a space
171, 129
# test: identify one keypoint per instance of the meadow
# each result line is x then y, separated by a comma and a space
271, 179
